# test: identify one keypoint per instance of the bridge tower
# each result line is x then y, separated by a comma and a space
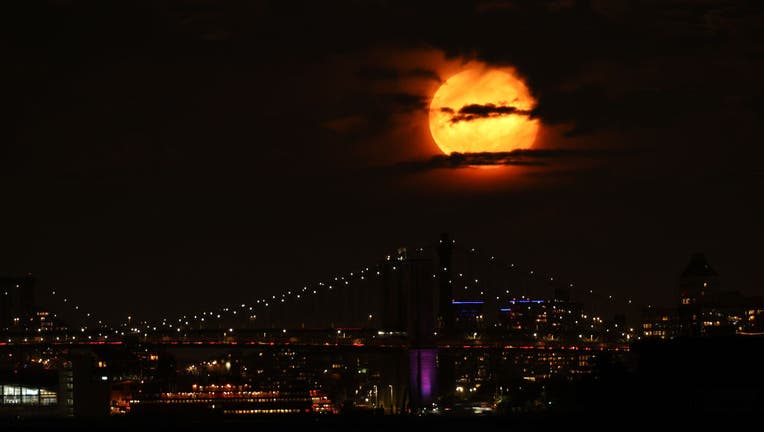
395, 299
446, 317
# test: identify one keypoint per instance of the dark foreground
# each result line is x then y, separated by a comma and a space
593, 421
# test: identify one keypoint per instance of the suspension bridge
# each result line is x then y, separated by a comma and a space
438, 293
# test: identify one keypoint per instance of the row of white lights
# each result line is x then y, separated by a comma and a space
365, 273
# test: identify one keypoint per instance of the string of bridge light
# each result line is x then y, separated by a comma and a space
86, 331
346, 280
178, 324
365, 273
532, 273
263, 303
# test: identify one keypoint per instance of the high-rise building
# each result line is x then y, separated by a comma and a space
698, 288
469, 315
697, 281
704, 309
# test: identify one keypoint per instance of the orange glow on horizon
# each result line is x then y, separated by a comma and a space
483, 110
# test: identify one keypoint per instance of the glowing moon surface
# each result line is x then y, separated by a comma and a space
483, 110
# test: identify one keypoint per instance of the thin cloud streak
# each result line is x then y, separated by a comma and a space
521, 157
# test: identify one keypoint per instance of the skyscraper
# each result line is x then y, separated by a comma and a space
698, 280
698, 293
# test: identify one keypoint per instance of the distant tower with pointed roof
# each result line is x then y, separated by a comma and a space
698, 290
698, 281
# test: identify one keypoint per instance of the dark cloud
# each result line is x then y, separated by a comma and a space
378, 73
384, 104
407, 101
424, 74
521, 157
475, 111
591, 108
360, 115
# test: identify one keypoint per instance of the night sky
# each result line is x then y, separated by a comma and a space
167, 155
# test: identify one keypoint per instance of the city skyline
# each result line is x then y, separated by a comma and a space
293, 356
470, 275
429, 296
382, 214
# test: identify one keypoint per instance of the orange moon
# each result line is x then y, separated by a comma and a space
483, 110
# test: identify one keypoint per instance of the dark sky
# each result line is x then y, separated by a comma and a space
207, 152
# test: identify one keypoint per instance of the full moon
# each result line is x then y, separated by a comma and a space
483, 110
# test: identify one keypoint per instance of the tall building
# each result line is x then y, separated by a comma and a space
697, 281
703, 308
698, 289
16, 302
469, 315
